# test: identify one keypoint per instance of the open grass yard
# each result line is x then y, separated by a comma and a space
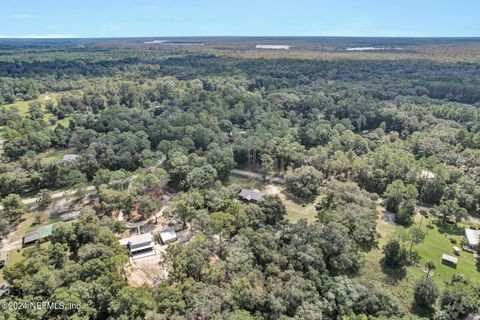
439, 239
246, 183
52, 155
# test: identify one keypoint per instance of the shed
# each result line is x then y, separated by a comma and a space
168, 236
69, 157
30, 238
449, 260
39, 234
456, 250
427, 174
250, 195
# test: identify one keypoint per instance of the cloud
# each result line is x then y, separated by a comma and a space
39, 36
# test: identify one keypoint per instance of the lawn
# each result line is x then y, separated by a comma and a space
22, 107
437, 241
52, 155
440, 240
246, 183
297, 210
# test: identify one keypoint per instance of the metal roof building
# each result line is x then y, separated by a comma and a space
141, 245
168, 236
250, 195
473, 237
39, 234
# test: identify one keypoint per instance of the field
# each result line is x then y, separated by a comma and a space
437, 241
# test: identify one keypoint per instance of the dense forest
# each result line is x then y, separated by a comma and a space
346, 134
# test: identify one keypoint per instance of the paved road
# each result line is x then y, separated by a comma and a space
257, 176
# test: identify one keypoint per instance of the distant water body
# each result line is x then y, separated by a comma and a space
272, 47
175, 43
371, 48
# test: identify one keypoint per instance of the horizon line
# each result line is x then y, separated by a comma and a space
71, 37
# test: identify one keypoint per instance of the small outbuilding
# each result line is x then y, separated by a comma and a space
70, 157
456, 250
167, 236
449, 260
250, 195
427, 175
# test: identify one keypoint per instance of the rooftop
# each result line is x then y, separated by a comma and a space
250, 194
70, 157
473, 236
139, 239
446, 257
168, 235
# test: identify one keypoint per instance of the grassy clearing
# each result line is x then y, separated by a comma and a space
295, 209
27, 224
22, 106
52, 155
437, 241
246, 183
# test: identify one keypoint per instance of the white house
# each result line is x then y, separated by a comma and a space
140, 245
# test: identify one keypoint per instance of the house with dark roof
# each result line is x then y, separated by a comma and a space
250, 195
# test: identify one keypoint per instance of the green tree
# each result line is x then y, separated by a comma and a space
35, 110
395, 256
450, 209
425, 294
223, 224
44, 198
458, 301
304, 182
430, 265
12, 207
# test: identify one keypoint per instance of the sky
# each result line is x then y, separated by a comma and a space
150, 18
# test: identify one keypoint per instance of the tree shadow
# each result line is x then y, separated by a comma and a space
395, 275
422, 311
299, 201
448, 228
